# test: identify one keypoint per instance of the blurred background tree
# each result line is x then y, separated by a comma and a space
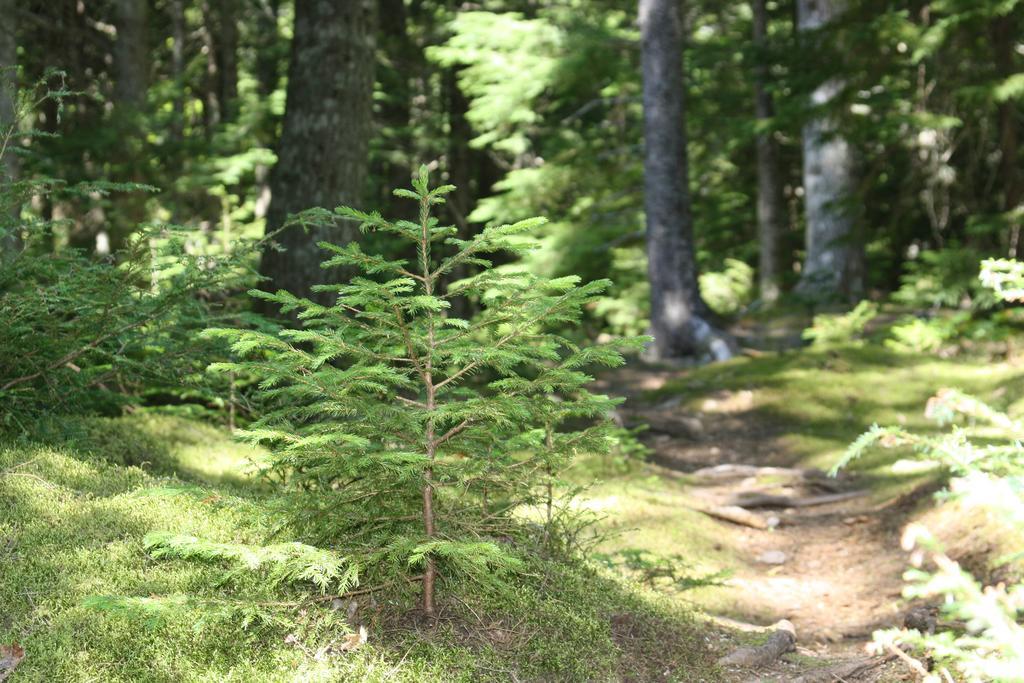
843, 147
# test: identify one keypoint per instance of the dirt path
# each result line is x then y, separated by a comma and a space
833, 570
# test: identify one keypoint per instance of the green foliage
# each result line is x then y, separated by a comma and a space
992, 648
918, 335
386, 409
979, 637
946, 278
625, 309
279, 563
88, 602
155, 613
504, 91
730, 290
1005, 277
829, 329
87, 333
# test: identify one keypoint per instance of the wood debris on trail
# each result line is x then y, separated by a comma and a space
829, 579
781, 641
10, 656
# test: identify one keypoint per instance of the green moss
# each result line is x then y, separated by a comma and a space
71, 529
72, 521
822, 400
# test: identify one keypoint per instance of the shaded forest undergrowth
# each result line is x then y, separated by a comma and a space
75, 516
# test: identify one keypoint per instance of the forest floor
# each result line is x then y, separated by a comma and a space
74, 513
770, 426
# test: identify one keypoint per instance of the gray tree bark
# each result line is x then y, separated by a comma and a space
227, 57
834, 265
268, 58
220, 36
131, 54
177, 11
679, 321
131, 83
1003, 37
322, 153
9, 170
771, 210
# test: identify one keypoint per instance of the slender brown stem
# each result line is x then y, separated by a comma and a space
430, 573
364, 591
549, 443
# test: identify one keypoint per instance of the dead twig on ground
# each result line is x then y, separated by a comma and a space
758, 499
738, 515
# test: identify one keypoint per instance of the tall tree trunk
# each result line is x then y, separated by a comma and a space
177, 10
1003, 38
220, 42
131, 54
678, 314
227, 57
405, 62
268, 59
771, 218
834, 264
10, 242
131, 69
322, 154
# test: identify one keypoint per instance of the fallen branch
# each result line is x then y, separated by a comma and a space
916, 666
844, 671
737, 515
768, 500
736, 625
733, 471
781, 641
662, 422
364, 591
10, 656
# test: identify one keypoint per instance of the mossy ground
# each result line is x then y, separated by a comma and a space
75, 505
72, 520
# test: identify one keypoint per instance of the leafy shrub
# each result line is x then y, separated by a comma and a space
84, 333
979, 637
626, 309
830, 329
1005, 277
947, 278
411, 435
992, 648
728, 291
918, 335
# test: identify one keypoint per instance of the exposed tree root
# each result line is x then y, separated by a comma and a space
722, 474
738, 515
781, 641
843, 671
757, 499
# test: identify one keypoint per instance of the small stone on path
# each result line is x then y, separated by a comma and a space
772, 557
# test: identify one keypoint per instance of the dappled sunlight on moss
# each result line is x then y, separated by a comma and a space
76, 523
